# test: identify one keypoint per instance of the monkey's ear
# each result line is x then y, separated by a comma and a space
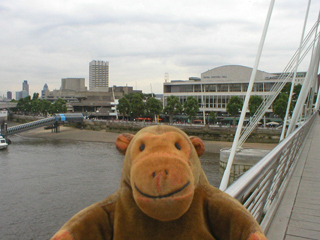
123, 141
198, 145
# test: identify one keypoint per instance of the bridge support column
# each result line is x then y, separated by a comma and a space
3, 129
55, 128
243, 161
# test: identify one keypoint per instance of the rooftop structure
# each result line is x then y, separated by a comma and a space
75, 84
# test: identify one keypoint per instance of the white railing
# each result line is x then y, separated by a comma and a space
261, 188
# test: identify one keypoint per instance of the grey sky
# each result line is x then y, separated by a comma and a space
43, 41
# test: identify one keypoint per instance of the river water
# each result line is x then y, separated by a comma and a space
45, 182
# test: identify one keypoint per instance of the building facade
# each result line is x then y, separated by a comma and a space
75, 84
44, 90
91, 103
25, 86
98, 76
25, 91
216, 86
9, 95
21, 94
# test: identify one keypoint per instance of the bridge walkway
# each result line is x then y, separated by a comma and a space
298, 215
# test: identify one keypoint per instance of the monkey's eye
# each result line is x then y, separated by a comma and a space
178, 146
142, 147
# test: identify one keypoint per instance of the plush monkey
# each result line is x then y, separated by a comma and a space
164, 194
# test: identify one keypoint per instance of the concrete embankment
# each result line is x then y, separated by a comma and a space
212, 132
215, 138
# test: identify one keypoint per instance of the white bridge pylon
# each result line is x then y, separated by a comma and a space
305, 105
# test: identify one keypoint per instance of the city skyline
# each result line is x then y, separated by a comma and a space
143, 42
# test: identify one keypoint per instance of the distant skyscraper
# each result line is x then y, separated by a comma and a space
24, 93
25, 86
18, 95
98, 76
9, 95
45, 88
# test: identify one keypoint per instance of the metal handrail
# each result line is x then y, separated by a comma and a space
261, 188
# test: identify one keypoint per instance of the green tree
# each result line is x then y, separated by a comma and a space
234, 106
44, 107
212, 117
124, 107
286, 89
132, 95
20, 105
35, 106
296, 91
137, 106
153, 107
59, 106
191, 107
24, 105
14, 109
173, 107
280, 105
35, 96
146, 96
254, 103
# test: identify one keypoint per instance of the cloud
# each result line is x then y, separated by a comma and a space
45, 41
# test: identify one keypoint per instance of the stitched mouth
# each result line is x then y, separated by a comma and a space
162, 196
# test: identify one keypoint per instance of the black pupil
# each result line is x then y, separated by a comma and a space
177, 146
142, 146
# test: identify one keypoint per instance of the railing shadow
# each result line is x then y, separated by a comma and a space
261, 188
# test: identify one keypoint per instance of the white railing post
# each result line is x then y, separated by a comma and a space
226, 175
293, 82
312, 71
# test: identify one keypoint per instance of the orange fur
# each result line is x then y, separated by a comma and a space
65, 235
164, 194
257, 236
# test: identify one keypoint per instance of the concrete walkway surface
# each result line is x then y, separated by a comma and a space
298, 215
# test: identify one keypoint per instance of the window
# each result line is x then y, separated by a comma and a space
197, 88
223, 101
182, 88
167, 89
235, 87
268, 86
258, 87
183, 99
222, 88
210, 88
200, 101
215, 99
176, 88
245, 87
